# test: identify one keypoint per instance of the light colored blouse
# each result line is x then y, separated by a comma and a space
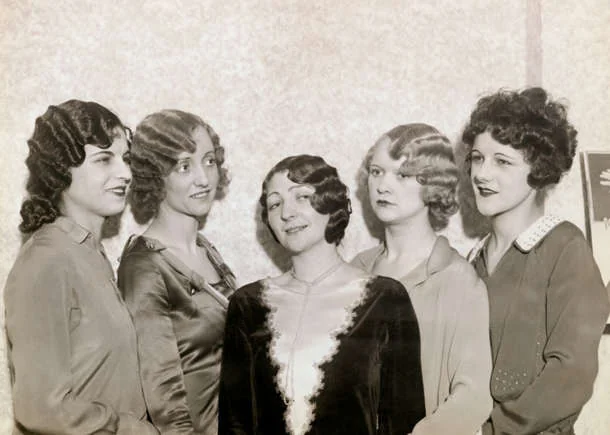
71, 341
452, 311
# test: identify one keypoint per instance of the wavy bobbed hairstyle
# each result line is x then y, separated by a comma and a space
429, 158
56, 146
157, 142
330, 196
531, 122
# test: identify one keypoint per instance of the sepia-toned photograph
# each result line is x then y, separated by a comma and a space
304, 217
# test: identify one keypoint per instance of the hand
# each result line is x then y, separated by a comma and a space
605, 178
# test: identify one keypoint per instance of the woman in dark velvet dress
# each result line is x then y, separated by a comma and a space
548, 305
324, 348
173, 280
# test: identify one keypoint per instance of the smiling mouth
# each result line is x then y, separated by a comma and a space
200, 195
119, 190
486, 192
294, 230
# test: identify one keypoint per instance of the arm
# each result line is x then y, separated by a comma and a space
236, 401
469, 366
145, 293
38, 311
577, 309
402, 402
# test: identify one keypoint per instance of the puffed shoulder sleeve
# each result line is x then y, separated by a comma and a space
577, 310
402, 402
144, 290
38, 303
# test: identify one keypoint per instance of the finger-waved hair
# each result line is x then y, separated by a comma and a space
58, 144
531, 122
330, 196
157, 142
429, 158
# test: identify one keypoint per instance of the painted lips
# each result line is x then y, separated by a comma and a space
486, 192
200, 195
295, 229
118, 190
383, 203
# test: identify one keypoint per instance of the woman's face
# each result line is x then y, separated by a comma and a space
190, 187
394, 196
293, 220
499, 176
99, 184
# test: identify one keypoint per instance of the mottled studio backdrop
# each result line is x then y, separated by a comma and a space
279, 77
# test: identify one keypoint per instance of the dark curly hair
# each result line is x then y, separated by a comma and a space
429, 157
330, 196
58, 144
157, 142
531, 122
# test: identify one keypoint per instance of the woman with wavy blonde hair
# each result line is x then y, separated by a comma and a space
411, 179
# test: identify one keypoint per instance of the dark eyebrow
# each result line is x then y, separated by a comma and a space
102, 151
504, 155
298, 186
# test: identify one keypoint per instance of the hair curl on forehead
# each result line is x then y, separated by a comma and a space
157, 142
56, 146
331, 196
531, 122
429, 158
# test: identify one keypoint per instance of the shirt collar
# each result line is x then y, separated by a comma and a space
439, 259
72, 229
527, 240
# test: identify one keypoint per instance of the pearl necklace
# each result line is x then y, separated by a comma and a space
320, 277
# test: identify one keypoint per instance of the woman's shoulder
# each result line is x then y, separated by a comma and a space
366, 259
550, 236
141, 252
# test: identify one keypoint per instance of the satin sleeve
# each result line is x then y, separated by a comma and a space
236, 399
402, 401
38, 322
145, 293
577, 309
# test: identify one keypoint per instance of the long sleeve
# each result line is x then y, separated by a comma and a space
469, 364
236, 401
577, 309
402, 402
39, 319
146, 295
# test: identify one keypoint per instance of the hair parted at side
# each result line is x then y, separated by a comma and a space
58, 144
331, 196
531, 122
429, 158
157, 142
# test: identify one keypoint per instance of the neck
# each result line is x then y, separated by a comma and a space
506, 227
92, 223
413, 237
175, 229
309, 265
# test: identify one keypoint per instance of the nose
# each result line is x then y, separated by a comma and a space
288, 211
481, 172
200, 176
381, 183
124, 171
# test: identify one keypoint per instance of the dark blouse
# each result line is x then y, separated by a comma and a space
179, 320
344, 361
548, 307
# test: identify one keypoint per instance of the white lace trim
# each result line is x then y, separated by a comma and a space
300, 350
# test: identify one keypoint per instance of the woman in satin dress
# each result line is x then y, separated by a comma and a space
173, 279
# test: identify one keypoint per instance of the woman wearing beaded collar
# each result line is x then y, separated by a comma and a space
548, 305
325, 347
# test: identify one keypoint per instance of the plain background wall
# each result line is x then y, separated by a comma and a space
281, 77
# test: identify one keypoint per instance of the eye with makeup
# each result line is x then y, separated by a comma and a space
375, 171
209, 160
183, 167
475, 157
501, 161
272, 203
127, 157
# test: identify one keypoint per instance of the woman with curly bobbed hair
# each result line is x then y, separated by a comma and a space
548, 305
410, 179
71, 341
173, 279
324, 348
